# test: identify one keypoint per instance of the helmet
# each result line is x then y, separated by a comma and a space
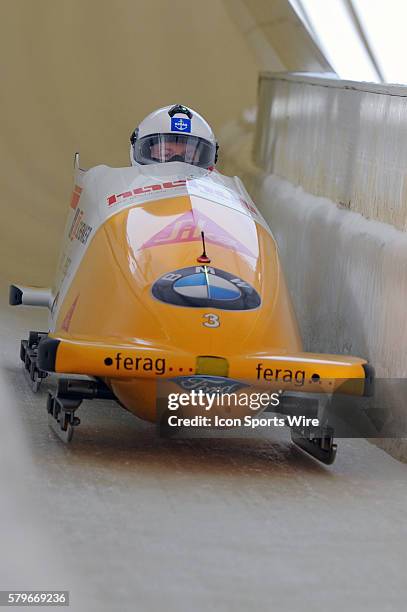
174, 133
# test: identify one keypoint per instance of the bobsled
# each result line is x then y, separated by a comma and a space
170, 274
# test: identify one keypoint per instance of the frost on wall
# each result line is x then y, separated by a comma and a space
347, 276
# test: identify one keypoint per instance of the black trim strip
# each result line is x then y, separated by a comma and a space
369, 380
15, 296
47, 354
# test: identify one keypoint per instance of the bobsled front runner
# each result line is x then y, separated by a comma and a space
169, 272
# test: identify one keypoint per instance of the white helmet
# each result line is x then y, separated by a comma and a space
174, 133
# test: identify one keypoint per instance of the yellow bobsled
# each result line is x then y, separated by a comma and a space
169, 272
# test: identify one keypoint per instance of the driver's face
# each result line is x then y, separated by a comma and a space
164, 151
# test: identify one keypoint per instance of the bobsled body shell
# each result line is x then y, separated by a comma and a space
137, 306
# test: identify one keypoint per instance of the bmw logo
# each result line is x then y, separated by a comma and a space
203, 287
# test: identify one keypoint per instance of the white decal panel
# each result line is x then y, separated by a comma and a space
101, 192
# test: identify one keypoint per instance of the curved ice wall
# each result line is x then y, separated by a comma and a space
326, 161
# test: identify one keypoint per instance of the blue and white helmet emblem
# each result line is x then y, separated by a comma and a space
179, 124
203, 286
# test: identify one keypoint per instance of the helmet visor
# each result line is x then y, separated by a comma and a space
159, 148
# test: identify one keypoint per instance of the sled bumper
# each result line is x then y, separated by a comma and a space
304, 372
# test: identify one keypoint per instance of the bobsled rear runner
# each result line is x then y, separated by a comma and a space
168, 272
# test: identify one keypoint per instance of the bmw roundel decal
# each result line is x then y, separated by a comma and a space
203, 287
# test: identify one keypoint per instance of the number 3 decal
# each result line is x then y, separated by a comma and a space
212, 320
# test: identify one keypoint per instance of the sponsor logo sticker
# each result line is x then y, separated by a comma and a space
79, 230
179, 124
204, 286
118, 198
208, 384
76, 194
188, 227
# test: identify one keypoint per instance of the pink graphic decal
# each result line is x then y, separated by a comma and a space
68, 317
188, 228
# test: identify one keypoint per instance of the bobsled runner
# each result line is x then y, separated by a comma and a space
169, 272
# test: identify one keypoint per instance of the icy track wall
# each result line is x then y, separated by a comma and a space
342, 140
330, 180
